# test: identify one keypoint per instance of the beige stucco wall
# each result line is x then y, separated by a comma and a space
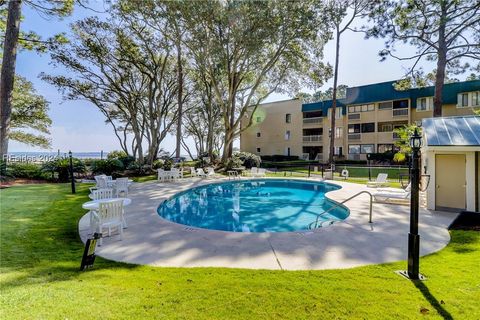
273, 127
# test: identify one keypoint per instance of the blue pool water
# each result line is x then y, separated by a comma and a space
270, 205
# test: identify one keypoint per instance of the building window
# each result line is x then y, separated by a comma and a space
338, 151
361, 108
464, 102
354, 149
258, 150
354, 128
287, 151
258, 134
476, 99
385, 127
338, 113
424, 104
338, 132
385, 105
287, 135
368, 127
288, 118
400, 104
382, 148
367, 148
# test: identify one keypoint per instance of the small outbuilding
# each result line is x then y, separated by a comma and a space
451, 157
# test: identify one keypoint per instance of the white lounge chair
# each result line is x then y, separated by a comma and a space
380, 181
261, 172
109, 216
193, 173
391, 196
201, 173
121, 186
253, 171
211, 172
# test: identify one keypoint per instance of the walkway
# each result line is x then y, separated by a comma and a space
154, 241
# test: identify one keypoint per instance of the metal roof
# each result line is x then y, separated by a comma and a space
324, 106
452, 131
385, 91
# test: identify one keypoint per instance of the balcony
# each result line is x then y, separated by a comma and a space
400, 112
312, 138
354, 136
312, 120
395, 136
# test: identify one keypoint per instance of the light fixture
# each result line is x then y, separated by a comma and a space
416, 140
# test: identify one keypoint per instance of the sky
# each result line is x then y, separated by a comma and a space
80, 127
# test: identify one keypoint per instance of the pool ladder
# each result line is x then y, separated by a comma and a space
315, 225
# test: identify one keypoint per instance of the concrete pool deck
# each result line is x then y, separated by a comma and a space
152, 240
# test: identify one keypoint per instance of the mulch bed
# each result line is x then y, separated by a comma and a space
466, 220
10, 183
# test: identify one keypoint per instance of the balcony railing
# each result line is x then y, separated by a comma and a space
313, 120
354, 116
354, 136
400, 112
312, 138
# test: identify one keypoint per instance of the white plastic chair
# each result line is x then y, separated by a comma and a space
380, 181
193, 173
201, 173
175, 174
162, 175
210, 172
98, 194
109, 216
261, 172
253, 171
105, 193
121, 186
100, 182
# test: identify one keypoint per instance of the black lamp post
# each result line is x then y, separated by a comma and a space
71, 171
413, 236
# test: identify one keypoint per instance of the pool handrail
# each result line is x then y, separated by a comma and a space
338, 205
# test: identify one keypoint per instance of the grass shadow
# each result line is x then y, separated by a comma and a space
432, 300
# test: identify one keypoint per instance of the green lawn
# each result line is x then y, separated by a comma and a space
41, 252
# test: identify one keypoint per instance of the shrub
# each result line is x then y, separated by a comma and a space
26, 170
248, 159
158, 164
116, 154
167, 164
61, 166
233, 162
107, 166
399, 157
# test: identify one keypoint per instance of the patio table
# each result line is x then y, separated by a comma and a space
95, 204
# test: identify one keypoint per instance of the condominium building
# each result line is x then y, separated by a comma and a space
365, 120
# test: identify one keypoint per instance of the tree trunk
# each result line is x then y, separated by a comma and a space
334, 100
7, 76
179, 98
441, 65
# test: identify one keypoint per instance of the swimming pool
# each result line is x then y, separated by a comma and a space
263, 205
